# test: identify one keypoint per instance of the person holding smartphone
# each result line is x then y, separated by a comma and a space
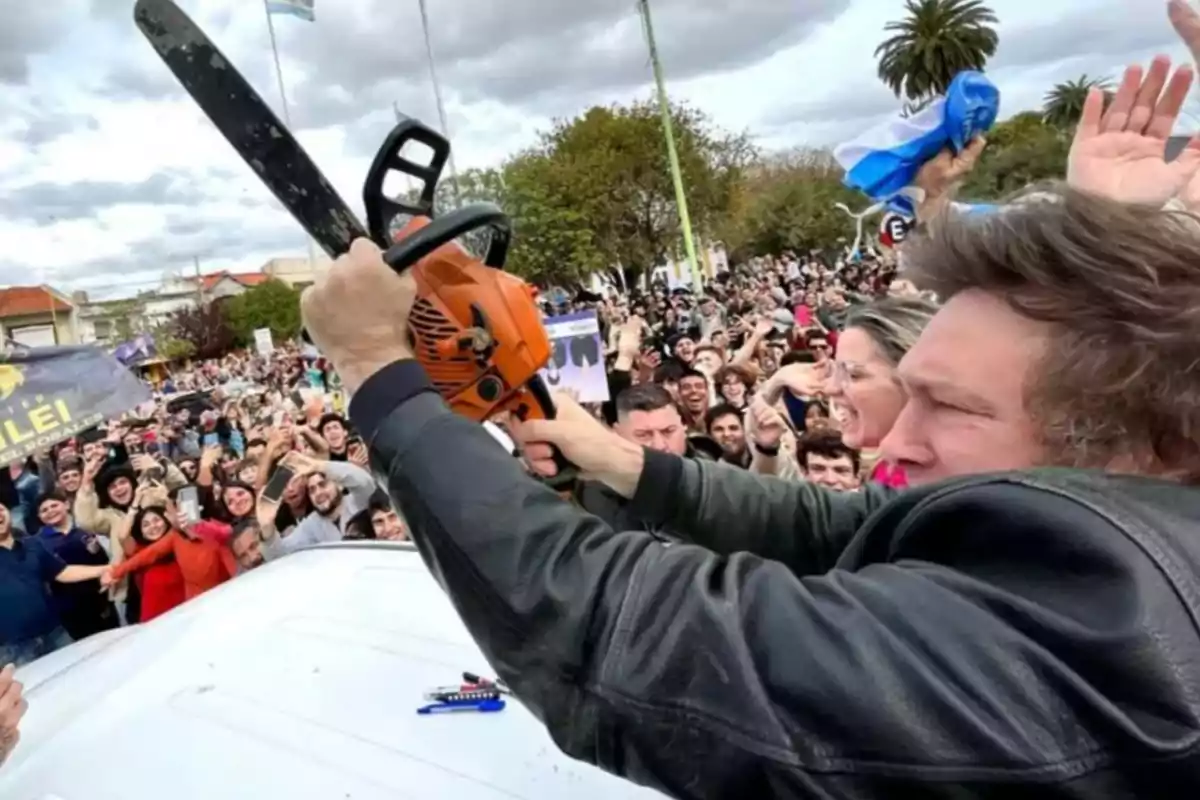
337, 492
199, 547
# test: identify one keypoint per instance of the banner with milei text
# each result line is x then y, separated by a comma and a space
49, 394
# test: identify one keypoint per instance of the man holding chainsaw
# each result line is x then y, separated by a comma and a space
1024, 631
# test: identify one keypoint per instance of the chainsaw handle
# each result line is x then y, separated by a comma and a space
445, 229
567, 474
382, 208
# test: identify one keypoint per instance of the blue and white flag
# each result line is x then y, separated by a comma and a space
296, 8
884, 161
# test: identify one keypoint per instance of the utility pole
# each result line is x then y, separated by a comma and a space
437, 95
685, 218
199, 283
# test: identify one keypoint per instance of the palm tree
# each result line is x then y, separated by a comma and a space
935, 41
1063, 105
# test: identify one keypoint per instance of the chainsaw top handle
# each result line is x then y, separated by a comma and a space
381, 207
445, 229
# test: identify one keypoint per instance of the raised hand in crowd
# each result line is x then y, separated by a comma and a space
1119, 152
939, 176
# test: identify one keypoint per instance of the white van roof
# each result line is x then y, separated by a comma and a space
300, 680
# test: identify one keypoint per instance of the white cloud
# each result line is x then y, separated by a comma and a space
110, 176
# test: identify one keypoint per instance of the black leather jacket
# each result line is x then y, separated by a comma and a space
1023, 635
596, 498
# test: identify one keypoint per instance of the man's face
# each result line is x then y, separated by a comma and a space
661, 430
68, 480
965, 379
709, 308
324, 493
693, 393
52, 513
93, 450
832, 473
255, 452
727, 431
335, 434
189, 468
120, 491
819, 348
685, 350
387, 526
247, 549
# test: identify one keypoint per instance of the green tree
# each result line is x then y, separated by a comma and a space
272, 304
172, 348
552, 241
596, 191
1063, 105
935, 41
206, 328
788, 202
1021, 151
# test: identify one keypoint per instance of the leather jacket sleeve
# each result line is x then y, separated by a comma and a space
984, 646
730, 510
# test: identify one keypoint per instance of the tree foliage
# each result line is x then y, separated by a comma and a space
205, 328
271, 304
936, 40
172, 348
1021, 151
596, 191
1063, 104
787, 202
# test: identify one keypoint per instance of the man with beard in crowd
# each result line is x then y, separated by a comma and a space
337, 491
246, 544
724, 424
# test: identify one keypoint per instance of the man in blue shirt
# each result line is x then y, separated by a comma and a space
29, 624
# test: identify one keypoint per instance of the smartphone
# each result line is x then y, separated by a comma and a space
279, 480
297, 399
135, 449
211, 439
188, 503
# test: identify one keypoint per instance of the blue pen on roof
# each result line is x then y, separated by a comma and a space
479, 706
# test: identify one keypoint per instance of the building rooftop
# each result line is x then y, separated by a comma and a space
23, 301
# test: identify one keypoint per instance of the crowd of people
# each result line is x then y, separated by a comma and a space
174, 498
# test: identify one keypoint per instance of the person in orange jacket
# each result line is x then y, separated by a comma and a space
200, 549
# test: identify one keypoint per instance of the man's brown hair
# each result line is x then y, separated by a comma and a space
1119, 384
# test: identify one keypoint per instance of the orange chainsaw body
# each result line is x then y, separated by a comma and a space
477, 331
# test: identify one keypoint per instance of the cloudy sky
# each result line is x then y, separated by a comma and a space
110, 177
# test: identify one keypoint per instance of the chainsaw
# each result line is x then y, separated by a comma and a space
475, 328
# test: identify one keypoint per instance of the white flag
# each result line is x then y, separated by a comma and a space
296, 8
